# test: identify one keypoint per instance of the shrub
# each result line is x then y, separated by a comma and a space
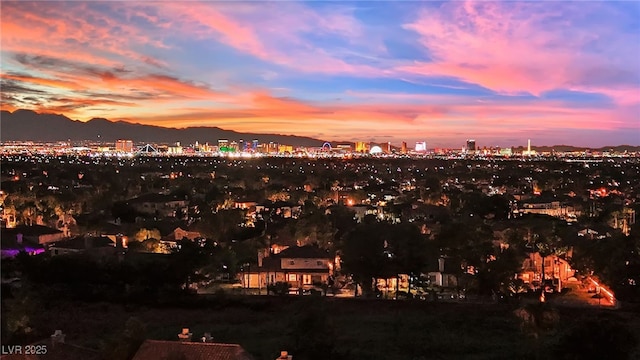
279, 288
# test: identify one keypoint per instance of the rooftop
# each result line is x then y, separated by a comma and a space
159, 350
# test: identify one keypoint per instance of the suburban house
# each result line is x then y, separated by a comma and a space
244, 204
551, 208
362, 210
172, 240
300, 266
392, 283
159, 204
12, 243
9, 218
38, 234
285, 209
444, 275
591, 234
556, 269
187, 349
98, 246
178, 234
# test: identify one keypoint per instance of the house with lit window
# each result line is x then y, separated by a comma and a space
556, 269
12, 243
95, 246
300, 266
159, 204
37, 234
280, 208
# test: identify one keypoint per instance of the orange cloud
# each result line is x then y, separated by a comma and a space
82, 33
391, 117
56, 83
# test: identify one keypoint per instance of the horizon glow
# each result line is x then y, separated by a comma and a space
441, 72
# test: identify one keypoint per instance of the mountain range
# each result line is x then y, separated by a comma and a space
27, 125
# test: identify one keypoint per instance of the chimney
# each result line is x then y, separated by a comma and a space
57, 338
262, 253
185, 336
207, 338
284, 355
441, 265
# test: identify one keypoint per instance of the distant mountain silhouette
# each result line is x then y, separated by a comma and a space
27, 125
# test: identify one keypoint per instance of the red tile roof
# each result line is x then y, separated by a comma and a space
165, 350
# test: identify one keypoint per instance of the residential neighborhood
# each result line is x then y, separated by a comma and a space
466, 231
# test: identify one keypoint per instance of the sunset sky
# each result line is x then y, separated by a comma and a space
441, 72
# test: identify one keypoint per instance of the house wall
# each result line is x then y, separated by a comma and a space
47, 238
390, 283
179, 234
443, 280
552, 209
295, 279
164, 209
554, 268
54, 251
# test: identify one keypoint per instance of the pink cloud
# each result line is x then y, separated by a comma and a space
512, 47
78, 31
274, 33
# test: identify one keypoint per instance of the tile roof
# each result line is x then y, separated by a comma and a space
33, 230
303, 252
156, 198
273, 262
81, 242
165, 350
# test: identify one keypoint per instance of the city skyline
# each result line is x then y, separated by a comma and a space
498, 72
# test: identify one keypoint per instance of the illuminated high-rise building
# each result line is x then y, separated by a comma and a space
362, 147
223, 145
403, 148
344, 148
471, 145
529, 152
388, 147
124, 145
254, 145
421, 146
233, 146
